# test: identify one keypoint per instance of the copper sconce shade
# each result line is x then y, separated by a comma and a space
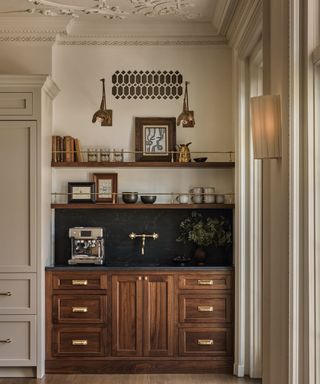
103, 115
187, 116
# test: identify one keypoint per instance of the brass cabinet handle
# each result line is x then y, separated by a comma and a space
6, 341
80, 342
6, 293
205, 308
205, 342
79, 309
205, 282
79, 282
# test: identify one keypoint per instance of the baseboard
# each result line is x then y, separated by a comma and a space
17, 372
238, 370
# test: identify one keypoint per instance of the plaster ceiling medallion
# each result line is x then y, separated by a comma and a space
154, 8
57, 8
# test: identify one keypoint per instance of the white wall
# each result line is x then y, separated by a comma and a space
77, 70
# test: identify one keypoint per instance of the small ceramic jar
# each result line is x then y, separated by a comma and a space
229, 198
219, 199
209, 197
197, 195
183, 199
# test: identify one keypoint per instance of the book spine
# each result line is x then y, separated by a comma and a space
54, 149
67, 145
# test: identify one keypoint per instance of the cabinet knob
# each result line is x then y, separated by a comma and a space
5, 293
139, 278
6, 341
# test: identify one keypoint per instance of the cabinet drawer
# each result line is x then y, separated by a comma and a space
79, 281
79, 309
212, 281
205, 308
17, 340
79, 341
15, 103
205, 341
17, 293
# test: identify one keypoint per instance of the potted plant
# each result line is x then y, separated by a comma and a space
203, 232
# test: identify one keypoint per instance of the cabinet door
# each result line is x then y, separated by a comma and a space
126, 315
18, 196
158, 316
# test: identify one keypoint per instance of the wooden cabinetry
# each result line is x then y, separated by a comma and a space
139, 321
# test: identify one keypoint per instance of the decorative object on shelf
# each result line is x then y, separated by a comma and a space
103, 115
130, 197
208, 195
266, 126
203, 233
92, 155
200, 159
182, 198
81, 192
148, 199
220, 199
66, 149
229, 198
155, 138
104, 155
184, 155
186, 117
118, 155
106, 187
147, 85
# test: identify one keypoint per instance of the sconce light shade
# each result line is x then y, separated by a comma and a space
266, 126
103, 115
186, 117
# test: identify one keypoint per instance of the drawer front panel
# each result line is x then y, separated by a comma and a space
205, 309
79, 309
17, 340
79, 341
79, 281
205, 341
15, 103
17, 293
212, 281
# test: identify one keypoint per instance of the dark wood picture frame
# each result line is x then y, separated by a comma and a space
78, 187
111, 195
165, 144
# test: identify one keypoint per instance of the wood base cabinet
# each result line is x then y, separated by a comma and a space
153, 321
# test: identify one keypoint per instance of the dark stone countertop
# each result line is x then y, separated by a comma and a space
132, 267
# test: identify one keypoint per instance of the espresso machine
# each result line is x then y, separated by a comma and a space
87, 245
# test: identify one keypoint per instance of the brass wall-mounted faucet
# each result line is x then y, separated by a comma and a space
143, 236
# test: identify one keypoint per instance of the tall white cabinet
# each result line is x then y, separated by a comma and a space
25, 184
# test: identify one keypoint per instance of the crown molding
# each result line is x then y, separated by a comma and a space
23, 80
50, 88
66, 40
223, 13
246, 26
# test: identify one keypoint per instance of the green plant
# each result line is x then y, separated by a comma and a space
204, 232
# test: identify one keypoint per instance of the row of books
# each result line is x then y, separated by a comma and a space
66, 149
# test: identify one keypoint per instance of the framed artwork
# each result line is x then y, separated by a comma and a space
106, 187
155, 138
81, 192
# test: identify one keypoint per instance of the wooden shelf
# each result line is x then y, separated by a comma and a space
141, 164
142, 206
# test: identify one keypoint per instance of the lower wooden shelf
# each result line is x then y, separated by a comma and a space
141, 206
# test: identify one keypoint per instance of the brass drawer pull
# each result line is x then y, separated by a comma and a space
80, 342
205, 308
79, 282
79, 309
6, 341
205, 282
6, 293
205, 342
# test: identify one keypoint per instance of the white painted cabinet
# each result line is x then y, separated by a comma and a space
25, 146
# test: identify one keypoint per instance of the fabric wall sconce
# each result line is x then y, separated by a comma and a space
266, 126
103, 115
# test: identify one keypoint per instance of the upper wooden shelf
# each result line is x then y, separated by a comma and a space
143, 164
141, 206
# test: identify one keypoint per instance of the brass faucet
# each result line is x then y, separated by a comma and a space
143, 236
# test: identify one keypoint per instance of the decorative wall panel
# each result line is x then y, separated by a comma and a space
147, 84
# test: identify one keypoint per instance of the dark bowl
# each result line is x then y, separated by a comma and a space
148, 199
129, 197
200, 159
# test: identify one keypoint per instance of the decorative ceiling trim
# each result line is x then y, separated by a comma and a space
151, 8
22, 38
223, 14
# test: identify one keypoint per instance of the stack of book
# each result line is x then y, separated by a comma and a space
66, 149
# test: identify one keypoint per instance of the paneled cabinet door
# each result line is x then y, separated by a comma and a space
158, 315
127, 315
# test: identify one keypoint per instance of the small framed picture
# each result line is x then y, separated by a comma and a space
155, 138
81, 192
106, 187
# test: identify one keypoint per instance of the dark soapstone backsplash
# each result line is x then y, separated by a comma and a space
120, 250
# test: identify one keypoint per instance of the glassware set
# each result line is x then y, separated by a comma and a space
104, 155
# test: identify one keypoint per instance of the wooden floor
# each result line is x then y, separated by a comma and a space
132, 379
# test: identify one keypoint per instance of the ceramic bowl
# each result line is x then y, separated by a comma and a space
129, 197
200, 159
148, 199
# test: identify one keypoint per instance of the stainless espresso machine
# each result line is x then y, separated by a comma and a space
87, 245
